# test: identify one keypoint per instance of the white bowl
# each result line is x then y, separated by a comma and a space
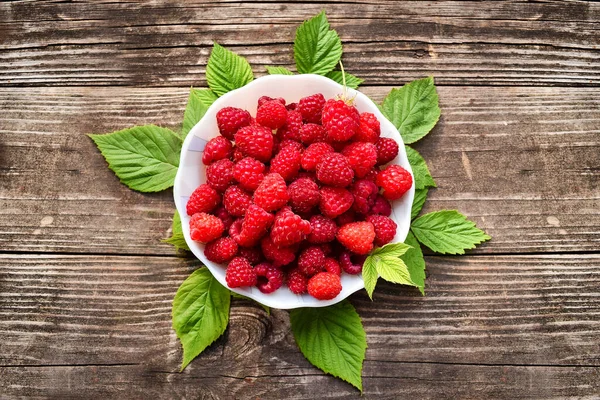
191, 172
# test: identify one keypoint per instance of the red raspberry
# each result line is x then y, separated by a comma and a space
324, 286
304, 195
313, 155
269, 278
249, 172
289, 142
372, 174
252, 254
369, 128
255, 225
340, 120
387, 150
323, 229
291, 129
263, 99
279, 256
255, 141
312, 133
289, 228
311, 108
205, 228
296, 281
311, 260
335, 201
365, 192
219, 175
203, 199
335, 170
287, 162
381, 207
237, 154
291, 106
231, 119
385, 229
351, 263
235, 229
271, 194
239, 273
216, 149
236, 201
395, 181
357, 237
331, 265
346, 218
362, 157
224, 216
271, 114
221, 250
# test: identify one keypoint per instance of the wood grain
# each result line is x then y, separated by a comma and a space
522, 162
100, 326
163, 44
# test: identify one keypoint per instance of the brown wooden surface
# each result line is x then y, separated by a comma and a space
86, 286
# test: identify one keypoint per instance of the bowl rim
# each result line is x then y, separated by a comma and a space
220, 103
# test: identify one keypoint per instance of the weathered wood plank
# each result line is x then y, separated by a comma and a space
522, 162
162, 44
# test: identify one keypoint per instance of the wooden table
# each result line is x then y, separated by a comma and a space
86, 286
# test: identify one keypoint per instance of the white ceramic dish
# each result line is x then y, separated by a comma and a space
191, 172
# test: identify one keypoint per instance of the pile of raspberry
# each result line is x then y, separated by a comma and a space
297, 195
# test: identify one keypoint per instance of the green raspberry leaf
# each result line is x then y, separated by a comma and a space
317, 49
391, 250
200, 313
351, 80
418, 202
145, 158
177, 239
227, 71
420, 171
279, 71
413, 109
332, 339
370, 276
415, 262
386, 262
447, 232
198, 103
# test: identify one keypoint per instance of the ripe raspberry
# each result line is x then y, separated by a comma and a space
395, 181
236, 201
255, 141
224, 216
289, 228
346, 218
249, 172
205, 228
364, 192
324, 286
255, 225
231, 119
340, 120
271, 114
279, 256
216, 149
263, 99
287, 162
271, 194
335, 170
331, 265
311, 108
304, 195
219, 175
335, 201
203, 199
289, 142
381, 207
372, 174
385, 229
369, 128
297, 282
252, 254
221, 250
362, 157
235, 229
237, 154
387, 150
291, 129
311, 260
313, 155
357, 237
270, 278
312, 133
239, 273
291, 106
323, 229
351, 263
